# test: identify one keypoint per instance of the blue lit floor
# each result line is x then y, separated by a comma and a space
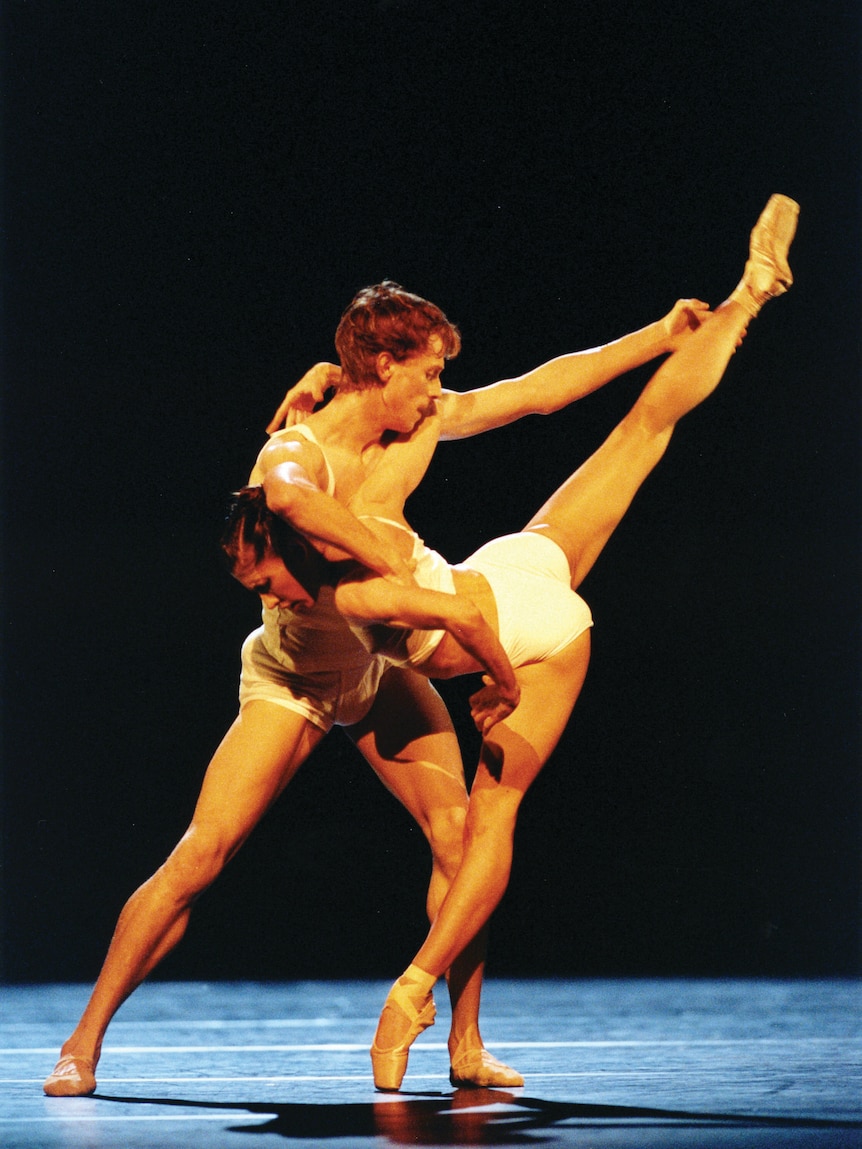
643, 1064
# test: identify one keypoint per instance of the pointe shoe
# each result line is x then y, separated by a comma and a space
71, 1077
767, 272
390, 1065
476, 1068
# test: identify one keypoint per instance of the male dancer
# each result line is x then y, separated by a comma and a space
301, 673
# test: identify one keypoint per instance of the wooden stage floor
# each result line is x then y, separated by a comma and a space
633, 1064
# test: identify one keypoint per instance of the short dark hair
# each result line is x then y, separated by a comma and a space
250, 524
385, 317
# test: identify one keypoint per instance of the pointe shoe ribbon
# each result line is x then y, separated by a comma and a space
390, 1065
71, 1077
476, 1068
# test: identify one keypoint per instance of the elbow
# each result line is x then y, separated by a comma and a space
346, 600
539, 401
352, 602
468, 622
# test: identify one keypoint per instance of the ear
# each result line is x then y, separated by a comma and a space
385, 362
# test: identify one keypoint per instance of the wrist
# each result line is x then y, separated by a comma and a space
661, 337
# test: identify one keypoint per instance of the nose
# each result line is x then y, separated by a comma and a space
270, 601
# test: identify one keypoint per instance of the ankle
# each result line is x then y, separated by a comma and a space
464, 1038
81, 1049
420, 978
748, 298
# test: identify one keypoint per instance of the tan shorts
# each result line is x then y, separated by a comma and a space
326, 698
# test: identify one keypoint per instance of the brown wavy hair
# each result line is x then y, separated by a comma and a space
385, 317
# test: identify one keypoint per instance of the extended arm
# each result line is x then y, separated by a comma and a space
563, 380
547, 388
373, 600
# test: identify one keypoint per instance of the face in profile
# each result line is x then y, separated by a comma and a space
412, 385
270, 578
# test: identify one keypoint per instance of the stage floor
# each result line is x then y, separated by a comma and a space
646, 1064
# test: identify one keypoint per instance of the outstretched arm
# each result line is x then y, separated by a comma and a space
374, 600
563, 380
547, 388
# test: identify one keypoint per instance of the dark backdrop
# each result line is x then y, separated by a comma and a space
192, 194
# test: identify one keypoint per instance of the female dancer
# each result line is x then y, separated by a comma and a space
510, 610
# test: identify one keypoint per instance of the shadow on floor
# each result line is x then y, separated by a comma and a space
468, 1117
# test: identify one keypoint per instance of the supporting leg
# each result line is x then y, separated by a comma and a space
511, 758
257, 758
409, 741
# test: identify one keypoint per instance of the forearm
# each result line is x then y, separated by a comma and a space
473, 634
371, 600
551, 386
570, 377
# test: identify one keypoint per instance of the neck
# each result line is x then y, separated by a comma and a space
354, 419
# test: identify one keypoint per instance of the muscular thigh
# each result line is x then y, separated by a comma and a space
257, 757
517, 749
409, 741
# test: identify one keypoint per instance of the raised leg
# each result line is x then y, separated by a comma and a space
583, 513
257, 758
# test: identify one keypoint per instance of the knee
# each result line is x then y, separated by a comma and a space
492, 814
446, 836
195, 862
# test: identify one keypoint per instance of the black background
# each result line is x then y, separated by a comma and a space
192, 194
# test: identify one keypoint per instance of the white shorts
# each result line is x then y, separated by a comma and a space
326, 698
538, 612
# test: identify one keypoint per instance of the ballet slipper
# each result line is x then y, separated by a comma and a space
390, 1065
72, 1077
767, 272
476, 1068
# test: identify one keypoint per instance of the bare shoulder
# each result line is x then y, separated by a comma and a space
289, 446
